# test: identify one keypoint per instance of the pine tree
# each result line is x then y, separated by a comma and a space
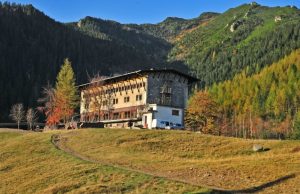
66, 92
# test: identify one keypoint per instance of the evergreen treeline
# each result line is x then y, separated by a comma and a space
246, 37
262, 105
172, 27
215, 47
32, 47
121, 34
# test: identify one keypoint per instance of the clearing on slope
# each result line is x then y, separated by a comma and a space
218, 162
29, 163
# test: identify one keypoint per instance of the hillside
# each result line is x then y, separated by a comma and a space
33, 46
213, 47
121, 34
249, 36
144, 161
29, 163
171, 27
217, 162
263, 105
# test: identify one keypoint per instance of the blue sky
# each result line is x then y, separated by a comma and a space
138, 11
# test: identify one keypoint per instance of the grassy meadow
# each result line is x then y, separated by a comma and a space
215, 162
30, 163
144, 161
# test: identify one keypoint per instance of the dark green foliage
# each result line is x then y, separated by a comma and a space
172, 26
140, 42
32, 46
215, 54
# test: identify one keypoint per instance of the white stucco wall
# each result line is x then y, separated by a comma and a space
164, 113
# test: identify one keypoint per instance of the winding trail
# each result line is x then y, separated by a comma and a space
59, 142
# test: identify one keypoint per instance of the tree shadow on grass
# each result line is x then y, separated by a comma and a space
257, 188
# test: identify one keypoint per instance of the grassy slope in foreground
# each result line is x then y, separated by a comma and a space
29, 163
205, 160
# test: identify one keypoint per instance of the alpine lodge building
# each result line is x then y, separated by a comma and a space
145, 98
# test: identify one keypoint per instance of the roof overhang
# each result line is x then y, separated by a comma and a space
140, 73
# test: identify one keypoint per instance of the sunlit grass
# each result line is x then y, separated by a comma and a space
29, 163
200, 159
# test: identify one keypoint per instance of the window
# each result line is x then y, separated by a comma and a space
126, 99
104, 102
133, 115
116, 116
105, 116
175, 112
97, 118
115, 101
165, 99
127, 114
165, 90
138, 97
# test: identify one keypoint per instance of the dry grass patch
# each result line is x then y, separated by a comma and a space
221, 162
29, 163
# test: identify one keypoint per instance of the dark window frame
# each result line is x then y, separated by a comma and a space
175, 112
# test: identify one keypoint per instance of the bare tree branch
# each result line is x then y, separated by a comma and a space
17, 113
31, 118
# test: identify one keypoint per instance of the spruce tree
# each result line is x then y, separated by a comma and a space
66, 92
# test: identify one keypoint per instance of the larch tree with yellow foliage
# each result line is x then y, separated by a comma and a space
66, 94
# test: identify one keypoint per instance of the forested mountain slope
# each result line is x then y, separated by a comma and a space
173, 26
151, 39
214, 46
33, 47
247, 37
268, 100
121, 34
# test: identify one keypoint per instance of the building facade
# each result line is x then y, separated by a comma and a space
145, 98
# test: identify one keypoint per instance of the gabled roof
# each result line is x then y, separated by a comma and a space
191, 79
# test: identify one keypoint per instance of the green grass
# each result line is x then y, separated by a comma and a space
220, 162
30, 163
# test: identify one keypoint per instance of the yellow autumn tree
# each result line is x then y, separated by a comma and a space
66, 92
202, 113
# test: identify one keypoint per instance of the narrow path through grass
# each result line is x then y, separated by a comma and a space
29, 163
216, 162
